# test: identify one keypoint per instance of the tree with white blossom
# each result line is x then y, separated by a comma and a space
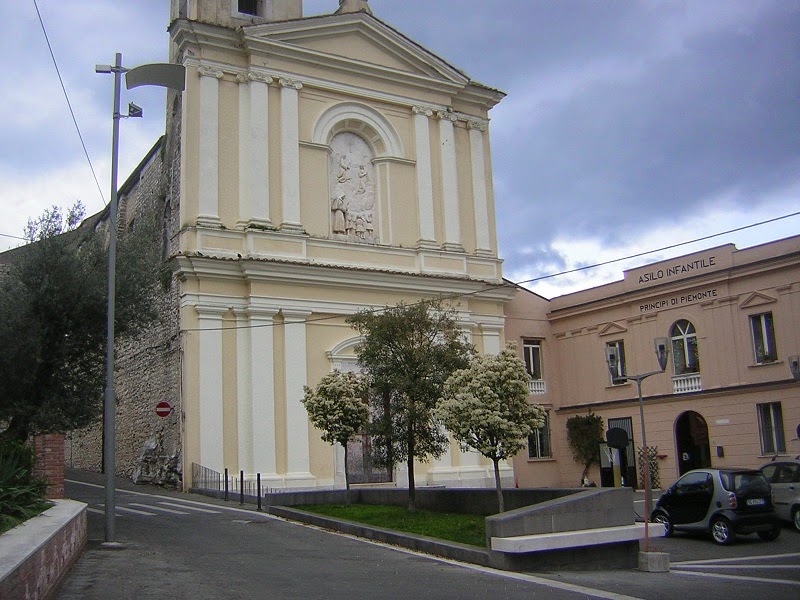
337, 407
485, 408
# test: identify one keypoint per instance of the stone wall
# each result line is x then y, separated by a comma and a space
148, 447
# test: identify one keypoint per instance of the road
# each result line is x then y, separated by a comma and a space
179, 545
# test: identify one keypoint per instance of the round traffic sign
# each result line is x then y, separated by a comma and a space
163, 409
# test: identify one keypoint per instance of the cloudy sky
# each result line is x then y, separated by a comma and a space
629, 125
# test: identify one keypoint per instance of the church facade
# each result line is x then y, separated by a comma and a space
314, 167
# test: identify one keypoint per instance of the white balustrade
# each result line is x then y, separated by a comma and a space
683, 384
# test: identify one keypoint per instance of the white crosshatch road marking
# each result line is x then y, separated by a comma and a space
704, 568
130, 510
192, 508
166, 510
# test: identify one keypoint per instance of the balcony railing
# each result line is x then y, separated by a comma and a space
537, 386
682, 384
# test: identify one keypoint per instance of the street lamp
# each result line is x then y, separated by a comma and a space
794, 365
164, 75
612, 360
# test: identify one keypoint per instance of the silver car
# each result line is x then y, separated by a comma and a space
722, 502
784, 477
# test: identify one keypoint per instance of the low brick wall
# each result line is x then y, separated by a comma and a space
49, 449
36, 556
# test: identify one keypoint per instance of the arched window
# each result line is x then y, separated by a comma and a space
685, 355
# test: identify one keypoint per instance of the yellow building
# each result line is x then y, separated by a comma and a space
731, 319
328, 165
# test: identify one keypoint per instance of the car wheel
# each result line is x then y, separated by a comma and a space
664, 520
771, 535
721, 532
796, 518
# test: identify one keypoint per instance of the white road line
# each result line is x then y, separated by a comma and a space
749, 567
710, 561
95, 510
144, 513
737, 577
194, 508
166, 510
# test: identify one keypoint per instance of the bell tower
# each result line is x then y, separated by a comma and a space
235, 13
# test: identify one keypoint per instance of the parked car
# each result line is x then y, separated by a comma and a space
784, 477
722, 502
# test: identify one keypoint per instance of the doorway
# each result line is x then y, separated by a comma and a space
691, 437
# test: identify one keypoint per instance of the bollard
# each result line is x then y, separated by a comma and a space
258, 489
241, 488
226, 484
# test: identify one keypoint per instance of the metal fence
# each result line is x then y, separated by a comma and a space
208, 480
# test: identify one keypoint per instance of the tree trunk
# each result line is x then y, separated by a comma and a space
498, 486
584, 474
346, 477
412, 490
17, 430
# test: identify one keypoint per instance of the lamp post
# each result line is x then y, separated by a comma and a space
612, 360
164, 75
794, 366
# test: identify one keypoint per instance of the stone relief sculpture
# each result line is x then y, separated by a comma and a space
352, 188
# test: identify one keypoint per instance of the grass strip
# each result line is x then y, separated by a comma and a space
465, 529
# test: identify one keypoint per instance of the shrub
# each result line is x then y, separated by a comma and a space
21, 493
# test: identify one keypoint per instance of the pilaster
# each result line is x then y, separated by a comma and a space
208, 151
452, 216
290, 154
209, 324
298, 459
480, 205
254, 149
422, 141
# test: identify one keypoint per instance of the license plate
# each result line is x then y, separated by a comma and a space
756, 502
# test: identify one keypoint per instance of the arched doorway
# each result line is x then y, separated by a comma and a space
691, 438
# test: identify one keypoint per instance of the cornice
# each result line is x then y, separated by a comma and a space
331, 276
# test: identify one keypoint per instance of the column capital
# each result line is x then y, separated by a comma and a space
477, 124
290, 83
209, 311
422, 110
210, 72
260, 76
446, 115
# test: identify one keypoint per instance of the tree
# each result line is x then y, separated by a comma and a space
53, 319
485, 408
408, 352
337, 407
584, 434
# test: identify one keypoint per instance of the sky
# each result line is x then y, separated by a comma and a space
628, 125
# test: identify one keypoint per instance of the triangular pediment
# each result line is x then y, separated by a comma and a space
353, 42
612, 329
756, 299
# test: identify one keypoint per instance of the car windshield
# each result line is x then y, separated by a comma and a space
746, 483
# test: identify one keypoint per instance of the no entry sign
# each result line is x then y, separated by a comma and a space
163, 409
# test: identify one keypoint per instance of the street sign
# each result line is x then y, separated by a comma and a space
163, 409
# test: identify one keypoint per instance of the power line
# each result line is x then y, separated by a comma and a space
670, 247
491, 286
69, 104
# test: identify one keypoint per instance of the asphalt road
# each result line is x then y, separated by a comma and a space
179, 545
